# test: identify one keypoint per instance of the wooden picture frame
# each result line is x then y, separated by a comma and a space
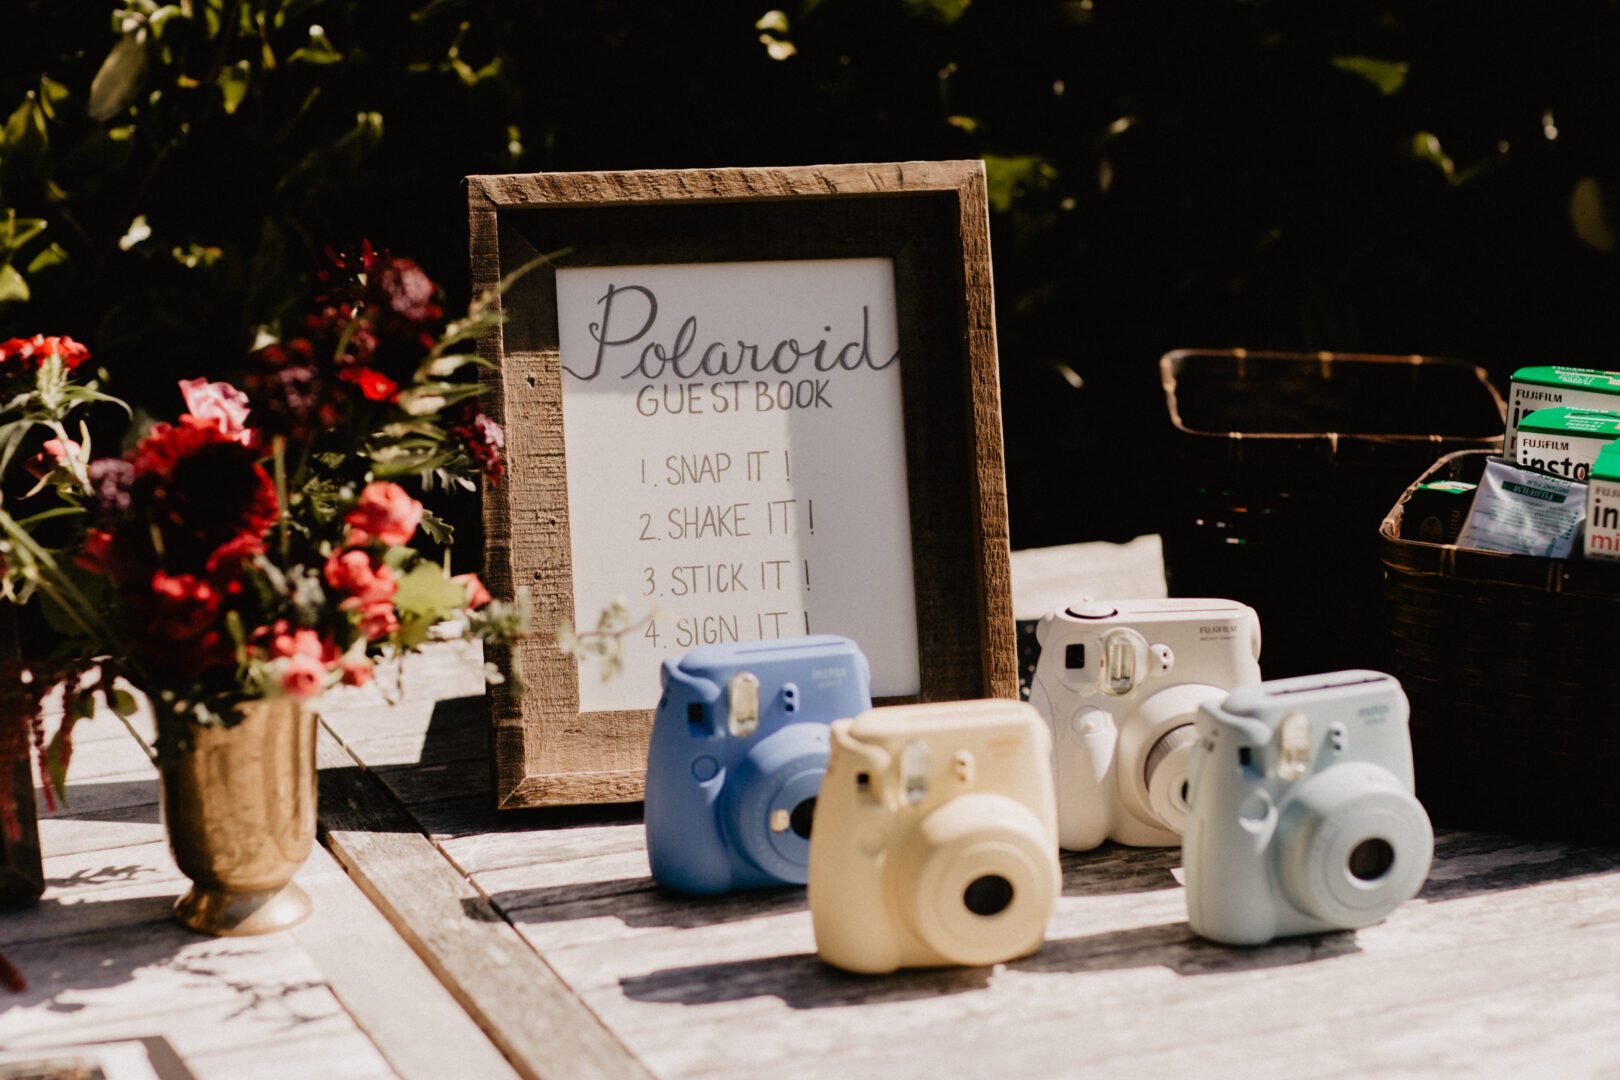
930, 219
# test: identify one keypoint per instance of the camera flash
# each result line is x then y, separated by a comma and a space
1124, 658
743, 694
1294, 746
914, 771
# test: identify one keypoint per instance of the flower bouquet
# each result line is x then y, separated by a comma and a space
236, 563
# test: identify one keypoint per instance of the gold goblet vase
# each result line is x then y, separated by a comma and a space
239, 807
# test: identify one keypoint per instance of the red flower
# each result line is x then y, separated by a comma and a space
356, 670
409, 292
28, 354
483, 439
374, 385
300, 642
386, 512
477, 595
378, 620
167, 445
352, 572
182, 606
302, 676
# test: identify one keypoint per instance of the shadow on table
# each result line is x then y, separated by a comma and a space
800, 980
1113, 869
60, 977
803, 982
127, 802
640, 902
1468, 863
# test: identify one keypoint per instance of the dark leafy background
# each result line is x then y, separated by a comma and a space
1402, 177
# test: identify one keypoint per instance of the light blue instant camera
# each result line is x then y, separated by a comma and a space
739, 745
1300, 813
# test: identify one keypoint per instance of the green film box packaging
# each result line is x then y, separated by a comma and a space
1603, 506
1435, 511
1541, 387
1564, 441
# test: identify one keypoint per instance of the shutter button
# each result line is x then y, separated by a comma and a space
1092, 609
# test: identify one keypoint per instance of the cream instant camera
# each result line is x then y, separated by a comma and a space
1120, 683
1302, 816
935, 837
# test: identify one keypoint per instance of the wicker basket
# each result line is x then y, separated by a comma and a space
1509, 663
1284, 463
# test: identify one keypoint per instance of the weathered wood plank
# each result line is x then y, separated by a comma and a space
390, 992
536, 1021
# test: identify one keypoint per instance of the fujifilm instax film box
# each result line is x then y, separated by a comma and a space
1541, 387
1564, 442
1603, 506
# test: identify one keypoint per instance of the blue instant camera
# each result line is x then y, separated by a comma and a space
739, 744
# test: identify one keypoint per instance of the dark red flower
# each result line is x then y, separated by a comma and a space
483, 440
281, 353
183, 605
168, 444
374, 385
408, 290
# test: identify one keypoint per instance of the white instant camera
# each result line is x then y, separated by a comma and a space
935, 838
1119, 683
1302, 817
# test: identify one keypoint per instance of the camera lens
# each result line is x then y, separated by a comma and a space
988, 895
1371, 859
803, 814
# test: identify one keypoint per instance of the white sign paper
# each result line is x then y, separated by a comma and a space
736, 460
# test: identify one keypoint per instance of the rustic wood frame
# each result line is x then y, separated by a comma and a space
931, 219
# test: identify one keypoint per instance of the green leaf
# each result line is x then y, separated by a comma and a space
320, 49
51, 94
1589, 216
122, 74
1387, 75
12, 285
233, 85
56, 759
19, 231
123, 703
1008, 177
54, 255
947, 11
427, 591
25, 137
1426, 147
438, 529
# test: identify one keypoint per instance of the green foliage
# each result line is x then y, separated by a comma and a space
1385, 176
426, 596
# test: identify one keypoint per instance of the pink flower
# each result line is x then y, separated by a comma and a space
477, 595
352, 572
55, 454
387, 513
303, 642
356, 670
218, 405
303, 675
378, 620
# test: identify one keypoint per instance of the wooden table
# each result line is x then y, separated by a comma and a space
543, 929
